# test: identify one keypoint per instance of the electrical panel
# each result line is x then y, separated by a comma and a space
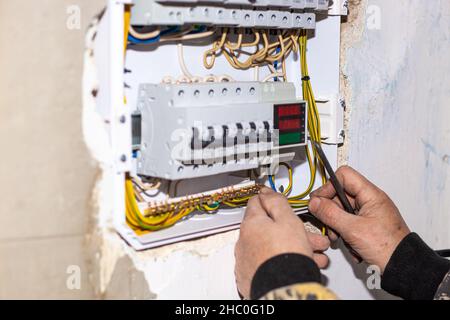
212, 100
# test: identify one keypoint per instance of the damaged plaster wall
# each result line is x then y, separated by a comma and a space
47, 173
396, 71
199, 269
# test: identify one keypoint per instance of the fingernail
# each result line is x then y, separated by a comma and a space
314, 204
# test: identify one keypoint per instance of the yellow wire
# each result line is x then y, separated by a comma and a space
127, 18
313, 126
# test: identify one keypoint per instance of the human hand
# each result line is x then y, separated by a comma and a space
375, 231
270, 228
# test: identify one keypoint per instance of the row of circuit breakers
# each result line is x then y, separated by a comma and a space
182, 131
285, 14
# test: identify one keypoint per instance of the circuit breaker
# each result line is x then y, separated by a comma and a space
209, 102
237, 13
189, 131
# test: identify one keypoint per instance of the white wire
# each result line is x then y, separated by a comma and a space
144, 36
256, 73
189, 36
188, 77
182, 63
272, 75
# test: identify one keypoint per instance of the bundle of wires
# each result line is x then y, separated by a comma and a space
143, 223
170, 33
165, 213
268, 50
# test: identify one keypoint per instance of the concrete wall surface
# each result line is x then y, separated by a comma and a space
46, 172
398, 87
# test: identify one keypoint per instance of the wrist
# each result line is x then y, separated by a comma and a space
393, 245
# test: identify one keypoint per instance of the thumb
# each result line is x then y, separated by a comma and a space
332, 215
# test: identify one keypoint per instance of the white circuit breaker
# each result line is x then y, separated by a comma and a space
282, 14
210, 103
188, 131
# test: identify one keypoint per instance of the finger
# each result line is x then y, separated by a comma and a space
265, 189
276, 205
332, 235
325, 191
318, 242
254, 209
356, 185
328, 191
350, 199
321, 260
329, 213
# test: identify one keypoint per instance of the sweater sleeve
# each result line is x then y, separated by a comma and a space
415, 271
289, 276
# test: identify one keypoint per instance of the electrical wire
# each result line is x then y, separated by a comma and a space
144, 189
182, 63
172, 33
188, 77
314, 128
272, 76
272, 183
193, 36
266, 52
288, 189
127, 19
144, 36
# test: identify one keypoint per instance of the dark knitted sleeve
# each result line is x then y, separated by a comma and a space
414, 271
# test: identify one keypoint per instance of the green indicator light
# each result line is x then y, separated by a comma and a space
290, 138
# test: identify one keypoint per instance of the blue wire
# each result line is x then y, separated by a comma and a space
155, 39
201, 29
275, 63
169, 30
272, 184
146, 41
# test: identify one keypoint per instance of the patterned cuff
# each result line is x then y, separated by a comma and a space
443, 292
303, 291
281, 271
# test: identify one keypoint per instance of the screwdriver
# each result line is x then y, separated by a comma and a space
339, 191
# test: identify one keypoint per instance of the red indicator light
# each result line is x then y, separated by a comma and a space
289, 110
289, 124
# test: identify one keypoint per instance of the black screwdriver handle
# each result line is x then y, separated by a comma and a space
339, 192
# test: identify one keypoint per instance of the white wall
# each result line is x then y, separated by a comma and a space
399, 133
